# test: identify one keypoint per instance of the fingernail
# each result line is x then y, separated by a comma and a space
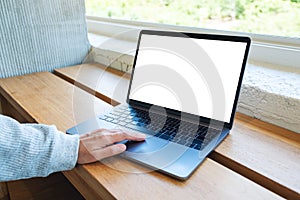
122, 147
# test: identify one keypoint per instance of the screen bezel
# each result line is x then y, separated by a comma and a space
205, 120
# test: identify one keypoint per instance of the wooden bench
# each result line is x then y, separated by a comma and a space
267, 154
106, 83
45, 93
45, 98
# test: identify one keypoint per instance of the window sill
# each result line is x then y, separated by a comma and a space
269, 93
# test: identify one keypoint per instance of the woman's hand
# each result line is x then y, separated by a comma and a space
100, 144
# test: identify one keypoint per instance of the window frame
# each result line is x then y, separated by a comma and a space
265, 49
268, 53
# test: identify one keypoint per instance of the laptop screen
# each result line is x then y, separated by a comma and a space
196, 74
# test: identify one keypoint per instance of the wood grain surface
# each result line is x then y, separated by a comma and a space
48, 99
264, 153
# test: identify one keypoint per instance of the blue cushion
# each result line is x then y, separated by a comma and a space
41, 35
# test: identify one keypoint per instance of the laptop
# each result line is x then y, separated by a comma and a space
183, 95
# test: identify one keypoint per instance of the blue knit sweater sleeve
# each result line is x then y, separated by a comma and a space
34, 150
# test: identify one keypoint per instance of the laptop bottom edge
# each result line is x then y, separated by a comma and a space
165, 156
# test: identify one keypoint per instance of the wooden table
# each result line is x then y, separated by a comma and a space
45, 98
259, 151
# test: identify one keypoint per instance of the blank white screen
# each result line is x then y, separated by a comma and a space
197, 76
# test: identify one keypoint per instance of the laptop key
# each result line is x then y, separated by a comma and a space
166, 137
110, 115
196, 141
197, 146
115, 121
102, 117
109, 119
122, 123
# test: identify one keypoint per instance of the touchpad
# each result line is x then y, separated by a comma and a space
151, 144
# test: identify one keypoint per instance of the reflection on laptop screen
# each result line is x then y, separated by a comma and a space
196, 76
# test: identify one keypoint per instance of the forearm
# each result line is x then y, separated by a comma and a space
34, 150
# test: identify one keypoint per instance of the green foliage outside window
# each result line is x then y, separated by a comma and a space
275, 17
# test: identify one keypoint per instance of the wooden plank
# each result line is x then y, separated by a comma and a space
106, 83
116, 177
126, 180
33, 94
46, 96
265, 153
9, 110
12, 109
55, 186
4, 191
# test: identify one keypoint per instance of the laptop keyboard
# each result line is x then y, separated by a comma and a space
165, 127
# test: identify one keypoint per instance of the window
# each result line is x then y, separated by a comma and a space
275, 17
263, 20
274, 26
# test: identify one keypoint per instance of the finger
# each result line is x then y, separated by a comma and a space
132, 133
89, 134
108, 151
121, 135
99, 138
135, 136
102, 137
129, 134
